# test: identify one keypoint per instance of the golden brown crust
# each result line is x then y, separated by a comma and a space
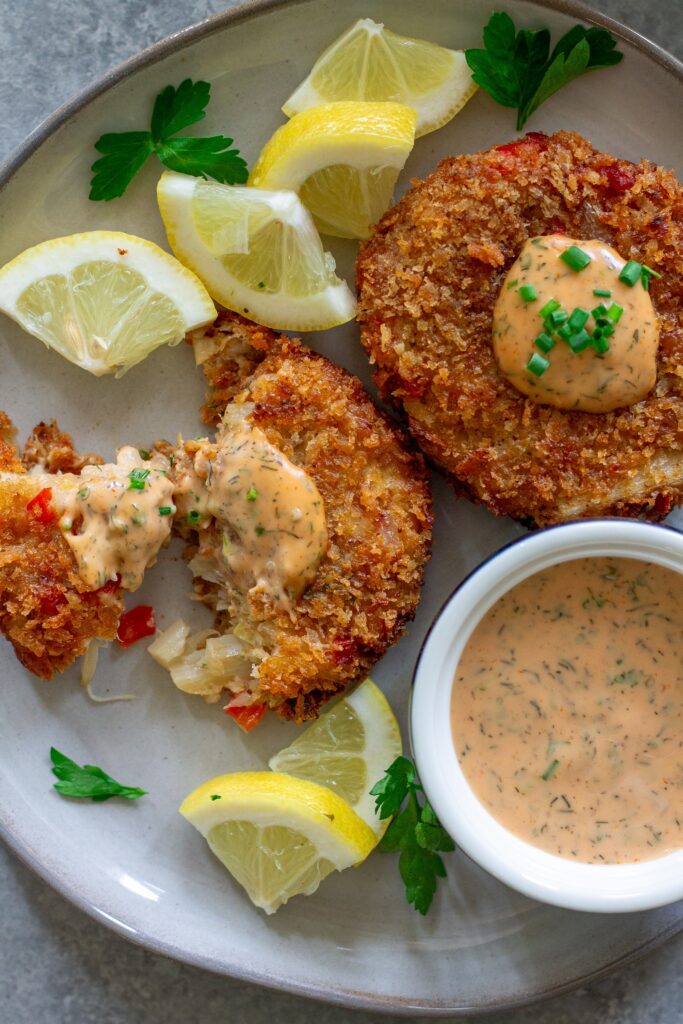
45, 609
52, 450
428, 281
377, 504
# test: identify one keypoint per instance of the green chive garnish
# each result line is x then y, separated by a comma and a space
600, 342
544, 342
166, 510
260, 530
599, 311
549, 770
556, 319
579, 341
252, 494
193, 517
513, 284
615, 312
144, 454
606, 329
630, 275
575, 258
537, 364
137, 479
565, 332
550, 307
602, 293
578, 319
528, 293
645, 274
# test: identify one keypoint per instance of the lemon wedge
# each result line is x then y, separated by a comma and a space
278, 836
348, 749
103, 299
343, 159
258, 252
368, 62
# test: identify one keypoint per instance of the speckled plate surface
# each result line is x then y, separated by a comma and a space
141, 869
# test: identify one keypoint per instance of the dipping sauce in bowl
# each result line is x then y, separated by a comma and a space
567, 710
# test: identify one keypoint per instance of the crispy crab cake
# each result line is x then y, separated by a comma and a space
428, 281
378, 515
46, 610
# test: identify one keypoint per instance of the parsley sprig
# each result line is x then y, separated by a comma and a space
415, 832
88, 782
174, 110
518, 70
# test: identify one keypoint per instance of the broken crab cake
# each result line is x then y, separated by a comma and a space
308, 524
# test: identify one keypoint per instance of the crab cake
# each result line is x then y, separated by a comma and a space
292, 646
428, 282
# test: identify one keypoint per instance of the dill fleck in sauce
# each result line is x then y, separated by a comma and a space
567, 710
587, 380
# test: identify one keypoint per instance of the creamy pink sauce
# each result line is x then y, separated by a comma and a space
567, 710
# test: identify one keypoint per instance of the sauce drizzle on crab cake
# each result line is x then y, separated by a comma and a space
428, 281
378, 519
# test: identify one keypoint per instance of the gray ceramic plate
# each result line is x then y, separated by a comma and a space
140, 869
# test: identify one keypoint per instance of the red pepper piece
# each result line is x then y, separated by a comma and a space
537, 139
136, 624
621, 178
40, 507
247, 716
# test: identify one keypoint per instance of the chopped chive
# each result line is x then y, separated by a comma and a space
537, 364
606, 329
556, 318
544, 342
602, 293
260, 530
599, 311
193, 517
144, 454
578, 319
252, 494
513, 284
549, 770
137, 479
579, 341
565, 332
166, 510
550, 307
528, 293
215, 796
575, 258
645, 274
631, 272
600, 343
615, 312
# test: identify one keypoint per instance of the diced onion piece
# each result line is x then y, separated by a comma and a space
191, 675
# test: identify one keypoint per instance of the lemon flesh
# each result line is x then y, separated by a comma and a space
368, 62
348, 749
104, 300
343, 159
277, 835
258, 252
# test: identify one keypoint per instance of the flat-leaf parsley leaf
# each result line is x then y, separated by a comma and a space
88, 782
415, 832
124, 153
518, 70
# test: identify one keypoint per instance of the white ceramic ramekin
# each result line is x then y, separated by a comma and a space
541, 875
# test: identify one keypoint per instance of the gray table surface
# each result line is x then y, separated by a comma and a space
56, 964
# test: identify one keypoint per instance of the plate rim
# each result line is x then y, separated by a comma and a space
147, 57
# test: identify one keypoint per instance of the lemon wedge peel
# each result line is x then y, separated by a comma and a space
369, 62
257, 252
103, 299
348, 749
240, 814
343, 158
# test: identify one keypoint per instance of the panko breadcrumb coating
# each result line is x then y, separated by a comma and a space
428, 280
377, 504
46, 610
